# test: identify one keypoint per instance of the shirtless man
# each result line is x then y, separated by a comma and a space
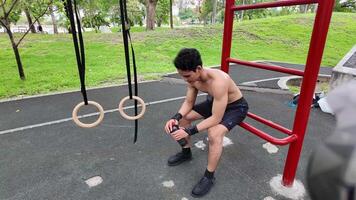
223, 109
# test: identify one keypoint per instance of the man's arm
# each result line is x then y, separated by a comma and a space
185, 108
189, 100
220, 95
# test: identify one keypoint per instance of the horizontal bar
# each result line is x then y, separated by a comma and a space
268, 67
270, 123
265, 136
273, 4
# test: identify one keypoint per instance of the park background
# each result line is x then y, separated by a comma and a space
37, 31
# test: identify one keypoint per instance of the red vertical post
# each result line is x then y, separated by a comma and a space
315, 54
227, 38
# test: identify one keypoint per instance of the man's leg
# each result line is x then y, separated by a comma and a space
216, 136
185, 154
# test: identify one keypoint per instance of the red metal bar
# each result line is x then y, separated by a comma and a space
268, 67
269, 138
227, 37
316, 48
317, 44
273, 4
270, 123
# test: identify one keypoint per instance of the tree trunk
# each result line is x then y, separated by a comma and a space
80, 20
18, 61
151, 13
16, 52
213, 16
242, 11
54, 21
171, 13
303, 8
29, 20
40, 28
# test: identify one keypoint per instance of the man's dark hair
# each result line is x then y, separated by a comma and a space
188, 59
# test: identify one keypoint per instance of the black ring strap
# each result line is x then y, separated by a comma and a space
126, 39
79, 49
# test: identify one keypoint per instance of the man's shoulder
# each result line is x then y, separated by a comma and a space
219, 74
220, 80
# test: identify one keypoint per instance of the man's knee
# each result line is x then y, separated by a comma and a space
216, 134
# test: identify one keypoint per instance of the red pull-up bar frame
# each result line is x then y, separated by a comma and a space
310, 74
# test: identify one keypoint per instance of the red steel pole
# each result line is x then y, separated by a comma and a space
316, 48
287, 140
269, 123
267, 67
227, 37
273, 4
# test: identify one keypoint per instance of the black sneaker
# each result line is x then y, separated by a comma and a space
179, 158
203, 187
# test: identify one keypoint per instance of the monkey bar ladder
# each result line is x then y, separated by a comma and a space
295, 136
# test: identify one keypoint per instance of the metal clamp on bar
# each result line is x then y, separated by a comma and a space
267, 67
273, 4
268, 137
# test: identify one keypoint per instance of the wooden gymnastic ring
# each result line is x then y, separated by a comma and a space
124, 115
81, 124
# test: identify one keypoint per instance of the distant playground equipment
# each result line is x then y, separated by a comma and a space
72, 13
317, 43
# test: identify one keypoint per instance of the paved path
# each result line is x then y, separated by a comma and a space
44, 155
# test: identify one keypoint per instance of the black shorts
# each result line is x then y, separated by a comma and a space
235, 112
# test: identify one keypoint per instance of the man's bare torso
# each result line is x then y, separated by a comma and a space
215, 76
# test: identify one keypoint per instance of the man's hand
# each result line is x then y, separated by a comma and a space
179, 134
169, 125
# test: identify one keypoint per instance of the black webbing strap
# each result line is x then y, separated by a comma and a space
79, 49
126, 38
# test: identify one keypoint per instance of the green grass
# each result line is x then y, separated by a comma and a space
50, 64
137, 29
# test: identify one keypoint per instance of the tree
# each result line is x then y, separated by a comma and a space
29, 20
213, 16
162, 12
350, 5
135, 12
63, 20
95, 21
186, 14
171, 13
100, 12
345, 6
54, 20
10, 11
255, 13
206, 10
91, 11
151, 14
36, 8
